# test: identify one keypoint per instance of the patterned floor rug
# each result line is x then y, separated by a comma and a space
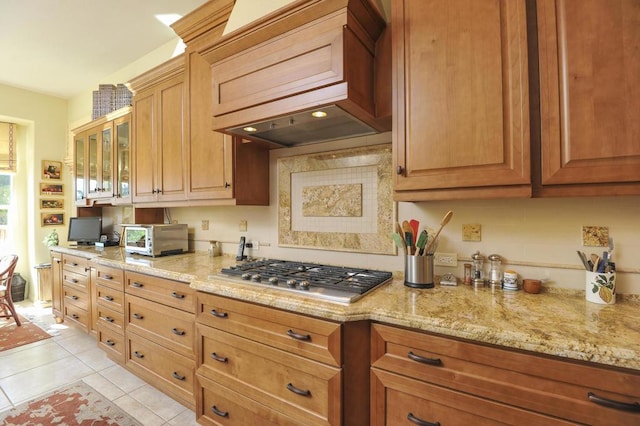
12, 336
76, 404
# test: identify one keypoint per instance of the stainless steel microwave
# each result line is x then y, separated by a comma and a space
156, 240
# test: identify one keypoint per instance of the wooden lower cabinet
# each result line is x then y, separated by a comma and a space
287, 368
160, 334
438, 378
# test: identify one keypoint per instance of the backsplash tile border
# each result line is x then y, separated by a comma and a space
378, 242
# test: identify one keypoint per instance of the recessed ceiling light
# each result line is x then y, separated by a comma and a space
318, 114
249, 129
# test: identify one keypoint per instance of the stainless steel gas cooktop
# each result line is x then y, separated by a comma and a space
333, 283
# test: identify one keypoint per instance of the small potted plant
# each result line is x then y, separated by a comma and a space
52, 239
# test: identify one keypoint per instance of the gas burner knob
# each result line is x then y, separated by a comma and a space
256, 277
273, 280
291, 283
302, 268
304, 285
246, 276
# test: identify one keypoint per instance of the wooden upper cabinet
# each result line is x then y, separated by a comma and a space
590, 93
461, 122
212, 157
159, 134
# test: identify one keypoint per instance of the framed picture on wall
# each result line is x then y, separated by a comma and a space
48, 219
51, 203
51, 169
51, 189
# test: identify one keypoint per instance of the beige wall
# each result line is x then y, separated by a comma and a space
42, 132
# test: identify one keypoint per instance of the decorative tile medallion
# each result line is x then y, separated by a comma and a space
338, 200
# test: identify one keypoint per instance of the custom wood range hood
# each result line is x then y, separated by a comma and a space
269, 75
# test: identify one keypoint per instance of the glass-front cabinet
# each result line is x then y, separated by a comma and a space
101, 162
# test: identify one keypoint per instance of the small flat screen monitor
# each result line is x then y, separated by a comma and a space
85, 230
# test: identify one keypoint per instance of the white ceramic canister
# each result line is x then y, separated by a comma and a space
510, 280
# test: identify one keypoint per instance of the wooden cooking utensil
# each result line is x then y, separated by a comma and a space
445, 220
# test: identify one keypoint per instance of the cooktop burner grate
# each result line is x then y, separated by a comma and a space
343, 284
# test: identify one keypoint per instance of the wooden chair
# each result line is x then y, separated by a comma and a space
7, 266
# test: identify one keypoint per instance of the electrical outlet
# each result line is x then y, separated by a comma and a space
255, 245
205, 225
242, 227
445, 259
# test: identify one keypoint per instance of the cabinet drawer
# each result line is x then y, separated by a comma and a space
302, 389
399, 400
164, 368
79, 265
305, 336
74, 296
168, 292
76, 315
169, 327
107, 296
112, 343
557, 387
218, 405
110, 277
108, 318
78, 281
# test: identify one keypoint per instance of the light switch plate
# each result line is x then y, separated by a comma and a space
471, 232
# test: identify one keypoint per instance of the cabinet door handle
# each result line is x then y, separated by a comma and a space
137, 316
108, 298
138, 354
178, 332
218, 314
109, 343
218, 412
399, 170
423, 360
87, 269
107, 277
634, 407
108, 319
137, 284
298, 391
177, 295
218, 357
227, 184
297, 336
177, 376
417, 421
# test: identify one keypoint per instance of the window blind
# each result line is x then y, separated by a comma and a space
7, 147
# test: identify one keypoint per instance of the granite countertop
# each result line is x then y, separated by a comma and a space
562, 323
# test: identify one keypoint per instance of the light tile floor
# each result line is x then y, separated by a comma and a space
30, 371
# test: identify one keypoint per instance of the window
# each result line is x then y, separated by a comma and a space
5, 201
7, 147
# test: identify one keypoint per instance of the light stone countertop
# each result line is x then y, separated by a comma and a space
562, 323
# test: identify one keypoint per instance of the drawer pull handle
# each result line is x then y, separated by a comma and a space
218, 314
218, 412
417, 421
108, 319
138, 354
137, 284
73, 280
177, 295
218, 357
634, 407
74, 316
178, 332
177, 376
73, 264
108, 298
137, 316
430, 361
297, 336
298, 391
73, 297
107, 277
109, 343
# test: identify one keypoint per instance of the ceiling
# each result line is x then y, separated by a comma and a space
64, 47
